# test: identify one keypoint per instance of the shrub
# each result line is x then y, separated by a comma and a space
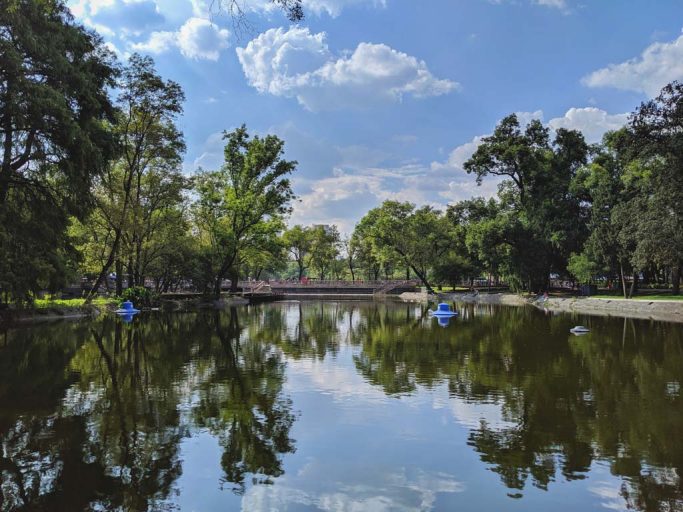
139, 296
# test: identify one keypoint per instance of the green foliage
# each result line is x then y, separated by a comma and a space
239, 205
70, 303
298, 241
324, 249
582, 268
139, 296
55, 114
540, 220
139, 199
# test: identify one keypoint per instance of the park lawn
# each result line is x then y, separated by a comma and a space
70, 303
641, 297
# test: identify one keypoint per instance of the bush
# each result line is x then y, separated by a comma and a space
139, 296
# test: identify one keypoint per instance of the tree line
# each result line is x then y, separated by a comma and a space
92, 184
610, 212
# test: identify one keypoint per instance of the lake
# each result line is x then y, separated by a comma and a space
342, 406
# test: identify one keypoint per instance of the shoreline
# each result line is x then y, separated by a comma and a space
21, 316
660, 310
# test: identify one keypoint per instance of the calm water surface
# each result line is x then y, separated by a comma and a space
342, 406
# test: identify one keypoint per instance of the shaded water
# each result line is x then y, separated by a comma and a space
339, 407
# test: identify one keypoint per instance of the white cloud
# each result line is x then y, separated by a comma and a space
592, 122
113, 18
332, 8
355, 488
197, 38
558, 4
158, 42
211, 156
296, 63
200, 39
659, 64
335, 7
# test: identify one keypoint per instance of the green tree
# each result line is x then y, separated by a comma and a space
298, 242
151, 153
657, 142
415, 237
55, 116
543, 221
236, 204
325, 245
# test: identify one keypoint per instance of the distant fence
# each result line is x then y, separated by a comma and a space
316, 283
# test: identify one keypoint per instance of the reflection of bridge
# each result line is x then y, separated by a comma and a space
318, 287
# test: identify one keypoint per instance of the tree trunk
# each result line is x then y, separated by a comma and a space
119, 278
634, 285
131, 274
105, 268
676, 279
423, 279
7, 144
234, 279
623, 280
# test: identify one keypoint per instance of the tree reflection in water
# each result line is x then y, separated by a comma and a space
93, 414
614, 395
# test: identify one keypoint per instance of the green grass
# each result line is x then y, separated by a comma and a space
451, 289
641, 297
70, 303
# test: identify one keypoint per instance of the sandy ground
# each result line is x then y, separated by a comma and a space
667, 311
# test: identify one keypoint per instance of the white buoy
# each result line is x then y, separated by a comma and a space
579, 329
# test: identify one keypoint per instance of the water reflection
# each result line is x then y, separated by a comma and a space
94, 415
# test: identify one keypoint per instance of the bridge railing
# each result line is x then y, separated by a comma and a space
358, 283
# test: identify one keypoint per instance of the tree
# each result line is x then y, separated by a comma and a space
325, 244
265, 253
416, 237
544, 221
298, 242
54, 138
293, 9
511, 152
657, 141
236, 203
351, 253
149, 140
53, 98
583, 268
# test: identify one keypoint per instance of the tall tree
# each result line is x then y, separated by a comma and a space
53, 99
416, 237
543, 222
657, 141
236, 203
149, 139
325, 244
298, 240
54, 138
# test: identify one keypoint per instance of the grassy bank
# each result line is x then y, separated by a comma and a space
49, 309
71, 303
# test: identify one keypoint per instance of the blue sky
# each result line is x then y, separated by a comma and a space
385, 99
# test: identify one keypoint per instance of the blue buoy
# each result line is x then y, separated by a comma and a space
443, 309
443, 321
126, 311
